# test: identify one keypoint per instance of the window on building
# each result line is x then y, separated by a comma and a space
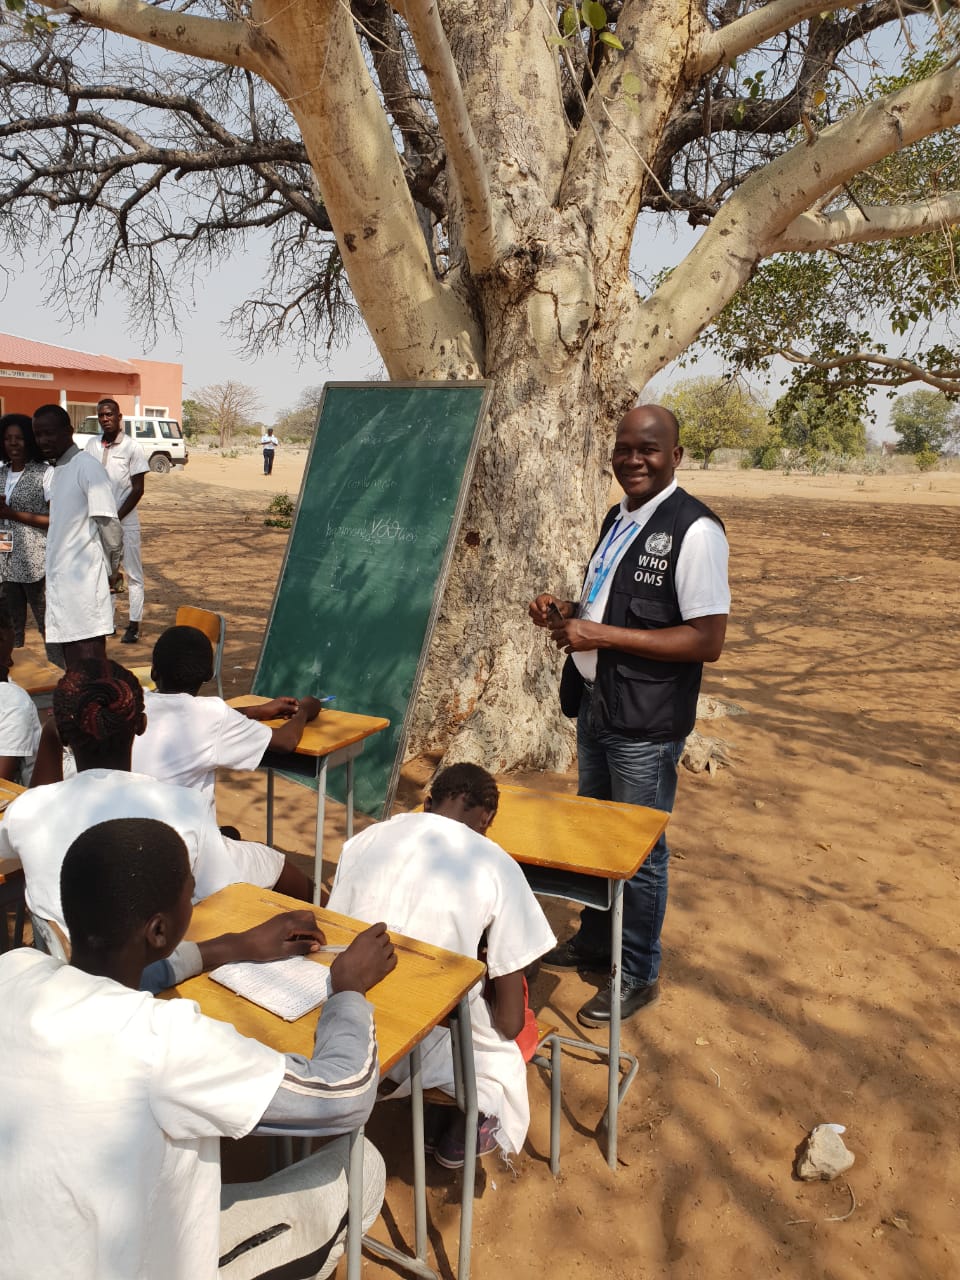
155, 413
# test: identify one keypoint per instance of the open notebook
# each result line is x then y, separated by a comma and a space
289, 988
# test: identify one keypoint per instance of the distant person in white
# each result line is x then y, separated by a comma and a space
113, 1104
126, 465
84, 544
436, 877
19, 722
268, 442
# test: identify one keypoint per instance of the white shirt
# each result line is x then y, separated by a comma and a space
78, 577
188, 739
435, 879
121, 460
700, 576
40, 826
19, 728
269, 442
112, 1105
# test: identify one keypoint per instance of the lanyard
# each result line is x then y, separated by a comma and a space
615, 543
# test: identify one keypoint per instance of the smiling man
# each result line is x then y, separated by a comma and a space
653, 609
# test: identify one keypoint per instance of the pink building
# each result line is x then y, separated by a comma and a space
36, 373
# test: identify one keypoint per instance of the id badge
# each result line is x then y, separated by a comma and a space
6, 540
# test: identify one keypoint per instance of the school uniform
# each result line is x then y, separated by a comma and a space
436, 879
19, 728
123, 460
79, 605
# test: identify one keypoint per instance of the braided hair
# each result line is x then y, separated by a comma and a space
476, 785
97, 707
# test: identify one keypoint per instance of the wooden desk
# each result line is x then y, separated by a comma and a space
11, 877
583, 850
427, 986
36, 675
333, 738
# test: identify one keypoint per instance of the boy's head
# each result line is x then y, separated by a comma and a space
182, 660
466, 793
126, 881
98, 709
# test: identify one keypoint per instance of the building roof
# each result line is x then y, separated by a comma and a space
19, 351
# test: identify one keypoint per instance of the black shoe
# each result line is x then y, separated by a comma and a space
596, 1012
131, 635
567, 956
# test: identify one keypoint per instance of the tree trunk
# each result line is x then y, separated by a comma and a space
541, 484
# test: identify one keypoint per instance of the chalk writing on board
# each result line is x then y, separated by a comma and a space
371, 484
375, 531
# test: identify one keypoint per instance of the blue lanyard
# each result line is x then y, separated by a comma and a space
614, 545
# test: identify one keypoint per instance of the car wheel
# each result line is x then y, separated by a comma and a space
160, 463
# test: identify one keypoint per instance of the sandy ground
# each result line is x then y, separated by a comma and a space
811, 968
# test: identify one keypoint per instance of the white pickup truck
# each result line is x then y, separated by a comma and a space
160, 438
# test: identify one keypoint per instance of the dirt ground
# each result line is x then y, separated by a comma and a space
811, 943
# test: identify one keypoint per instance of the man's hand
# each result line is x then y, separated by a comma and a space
574, 635
311, 707
5, 512
547, 610
113, 579
275, 709
368, 959
294, 933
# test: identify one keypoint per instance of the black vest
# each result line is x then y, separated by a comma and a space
637, 697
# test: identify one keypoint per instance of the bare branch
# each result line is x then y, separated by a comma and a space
481, 240
899, 370
760, 24
861, 224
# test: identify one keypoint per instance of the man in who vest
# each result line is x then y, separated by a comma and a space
652, 611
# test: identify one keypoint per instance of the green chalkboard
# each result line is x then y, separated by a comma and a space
368, 556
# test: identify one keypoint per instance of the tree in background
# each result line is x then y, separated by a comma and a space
818, 423
925, 422
229, 406
300, 422
478, 172
716, 413
196, 419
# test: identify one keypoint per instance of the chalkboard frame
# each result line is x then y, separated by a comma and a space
445, 562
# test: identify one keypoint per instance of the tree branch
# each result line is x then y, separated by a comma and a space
853, 225
465, 160
751, 223
219, 39
741, 35
947, 380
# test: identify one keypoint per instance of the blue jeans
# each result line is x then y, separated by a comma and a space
631, 771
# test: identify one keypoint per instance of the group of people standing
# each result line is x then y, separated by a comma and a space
68, 518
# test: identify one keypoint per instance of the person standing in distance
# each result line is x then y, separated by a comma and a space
268, 442
126, 465
84, 545
653, 609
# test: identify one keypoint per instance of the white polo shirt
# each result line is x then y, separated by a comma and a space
701, 573
19, 728
121, 460
78, 576
40, 826
188, 739
112, 1106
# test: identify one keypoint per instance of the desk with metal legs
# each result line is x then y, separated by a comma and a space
333, 738
427, 986
583, 850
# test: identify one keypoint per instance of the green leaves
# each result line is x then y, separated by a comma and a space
594, 14
591, 15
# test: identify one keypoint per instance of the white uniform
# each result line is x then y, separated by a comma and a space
19, 728
188, 739
435, 879
122, 460
40, 826
79, 606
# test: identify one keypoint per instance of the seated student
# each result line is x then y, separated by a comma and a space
112, 1104
98, 709
19, 722
435, 876
188, 738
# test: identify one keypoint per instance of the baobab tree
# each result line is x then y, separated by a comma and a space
470, 178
